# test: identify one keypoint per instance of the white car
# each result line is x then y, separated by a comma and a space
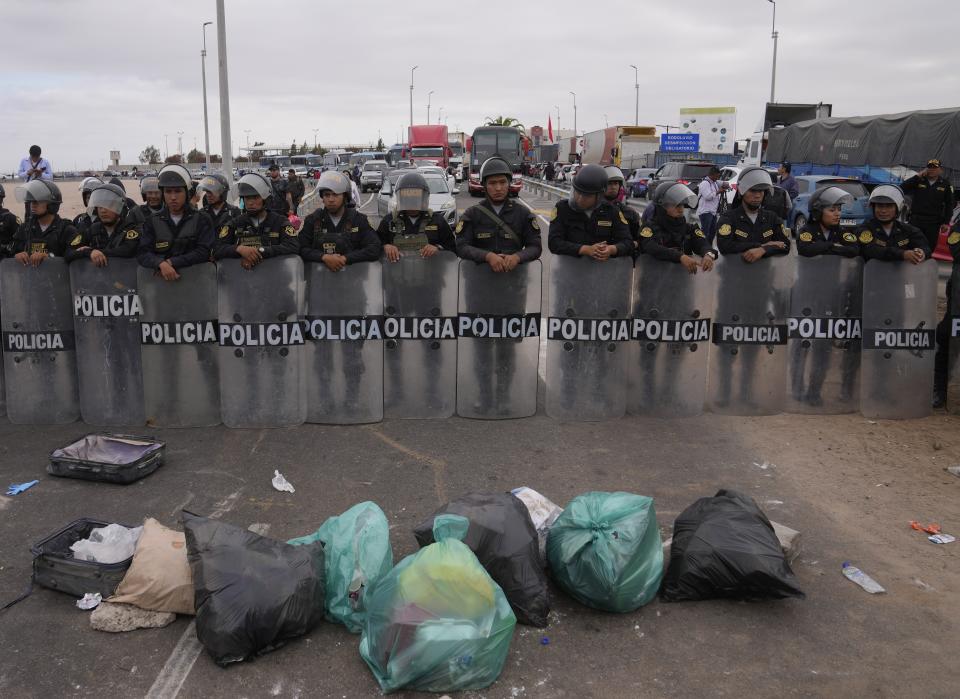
441, 195
440, 172
371, 176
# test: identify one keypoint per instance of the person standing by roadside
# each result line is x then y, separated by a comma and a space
296, 188
707, 208
34, 167
788, 182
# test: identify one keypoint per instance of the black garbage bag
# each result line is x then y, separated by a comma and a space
504, 540
725, 546
252, 593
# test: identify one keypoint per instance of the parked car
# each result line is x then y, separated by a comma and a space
637, 182
852, 216
371, 176
441, 196
688, 172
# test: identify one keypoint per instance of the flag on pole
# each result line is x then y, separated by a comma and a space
549, 128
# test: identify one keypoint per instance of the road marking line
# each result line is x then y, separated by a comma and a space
174, 672
369, 199
438, 465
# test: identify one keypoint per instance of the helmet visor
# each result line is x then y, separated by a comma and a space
412, 199
35, 190
106, 199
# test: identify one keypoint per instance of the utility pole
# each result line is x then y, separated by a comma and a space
203, 69
557, 107
315, 138
180, 145
429, 95
225, 139
774, 35
411, 94
574, 112
636, 86
166, 147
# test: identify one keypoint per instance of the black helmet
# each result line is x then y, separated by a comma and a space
590, 179
3, 193
824, 198
672, 193
41, 190
754, 177
175, 175
116, 181
413, 192
495, 166
107, 196
215, 182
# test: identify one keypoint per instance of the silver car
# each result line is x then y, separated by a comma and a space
371, 176
441, 196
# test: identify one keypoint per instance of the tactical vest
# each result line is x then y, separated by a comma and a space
46, 241
412, 242
334, 242
252, 236
166, 243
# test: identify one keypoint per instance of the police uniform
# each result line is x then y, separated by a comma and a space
183, 244
661, 243
221, 218
352, 237
941, 364
9, 225
516, 233
140, 213
274, 236
570, 229
736, 233
297, 188
278, 202
633, 220
931, 205
83, 221
53, 241
812, 241
430, 228
122, 242
876, 244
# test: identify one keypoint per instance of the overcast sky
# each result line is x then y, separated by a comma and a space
83, 78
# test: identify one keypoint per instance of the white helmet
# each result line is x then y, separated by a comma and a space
887, 194
174, 176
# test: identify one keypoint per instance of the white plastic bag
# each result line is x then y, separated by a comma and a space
111, 544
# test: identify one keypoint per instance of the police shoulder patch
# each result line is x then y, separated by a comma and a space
553, 214
699, 233
76, 241
623, 219
866, 237
132, 234
647, 232
725, 229
903, 243
225, 231
953, 238
19, 222
806, 236
290, 231
785, 230
849, 237
535, 223
459, 227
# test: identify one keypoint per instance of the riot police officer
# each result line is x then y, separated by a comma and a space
9, 224
821, 235
615, 184
129, 203
257, 233
281, 201
44, 234
84, 219
337, 235
411, 225
749, 230
667, 235
884, 237
585, 224
179, 235
941, 365
932, 204
152, 201
498, 231
213, 189
109, 235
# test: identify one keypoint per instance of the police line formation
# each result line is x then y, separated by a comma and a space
337, 323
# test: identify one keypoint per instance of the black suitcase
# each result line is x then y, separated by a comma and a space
110, 458
55, 567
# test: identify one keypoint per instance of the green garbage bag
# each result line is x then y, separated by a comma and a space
605, 551
437, 622
357, 553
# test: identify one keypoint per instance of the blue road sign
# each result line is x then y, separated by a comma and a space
680, 142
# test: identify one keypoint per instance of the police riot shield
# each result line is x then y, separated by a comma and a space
498, 349
344, 345
420, 336
670, 328
748, 360
39, 354
106, 317
823, 336
899, 320
178, 336
588, 332
953, 333
261, 343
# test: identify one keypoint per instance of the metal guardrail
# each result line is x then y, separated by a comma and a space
545, 189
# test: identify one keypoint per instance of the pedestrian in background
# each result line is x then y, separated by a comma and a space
787, 181
932, 201
709, 203
34, 167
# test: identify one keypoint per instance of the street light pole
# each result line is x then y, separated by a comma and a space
774, 35
206, 124
225, 139
440, 115
574, 113
180, 145
606, 121
557, 107
636, 86
411, 94
166, 147
429, 95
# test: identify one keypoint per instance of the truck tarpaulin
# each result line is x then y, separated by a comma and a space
908, 138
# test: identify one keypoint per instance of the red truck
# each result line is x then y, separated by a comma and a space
427, 144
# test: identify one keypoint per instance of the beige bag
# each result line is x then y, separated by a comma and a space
159, 577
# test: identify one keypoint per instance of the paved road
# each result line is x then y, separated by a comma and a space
850, 485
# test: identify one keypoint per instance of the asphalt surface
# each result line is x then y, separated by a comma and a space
848, 484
